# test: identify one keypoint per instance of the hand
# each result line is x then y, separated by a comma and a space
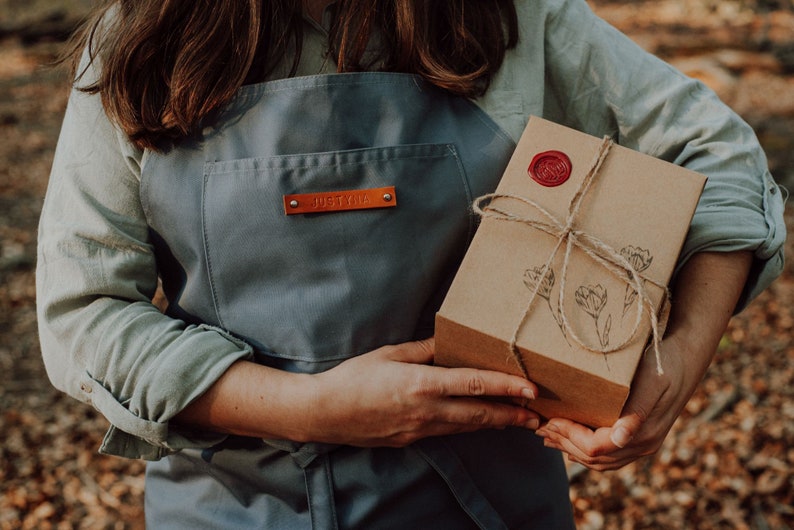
650, 411
393, 396
706, 293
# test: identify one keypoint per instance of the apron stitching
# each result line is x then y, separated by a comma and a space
144, 183
306, 82
205, 237
488, 122
465, 181
308, 86
307, 480
448, 147
329, 482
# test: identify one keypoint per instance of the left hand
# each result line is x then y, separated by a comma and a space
707, 290
652, 407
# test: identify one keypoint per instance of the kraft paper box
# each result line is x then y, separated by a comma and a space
626, 234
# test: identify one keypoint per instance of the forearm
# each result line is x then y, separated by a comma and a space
254, 400
704, 297
391, 396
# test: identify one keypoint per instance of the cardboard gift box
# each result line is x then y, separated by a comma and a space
565, 280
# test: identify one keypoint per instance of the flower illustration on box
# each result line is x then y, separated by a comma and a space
538, 277
542, 280
592, 299
639, 259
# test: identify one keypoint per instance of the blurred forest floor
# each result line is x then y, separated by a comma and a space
729, 460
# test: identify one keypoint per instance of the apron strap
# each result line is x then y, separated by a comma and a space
320, 492
443, 459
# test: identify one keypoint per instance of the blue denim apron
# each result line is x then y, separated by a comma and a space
309, 291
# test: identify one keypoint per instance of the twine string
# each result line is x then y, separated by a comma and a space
600, 252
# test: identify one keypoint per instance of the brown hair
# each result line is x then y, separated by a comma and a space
167, 65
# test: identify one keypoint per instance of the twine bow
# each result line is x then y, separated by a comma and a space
603, 254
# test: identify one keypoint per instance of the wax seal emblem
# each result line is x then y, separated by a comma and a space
550, 168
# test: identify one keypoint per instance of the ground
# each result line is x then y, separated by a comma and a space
728, 461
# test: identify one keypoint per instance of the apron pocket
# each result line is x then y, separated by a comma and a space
324, 287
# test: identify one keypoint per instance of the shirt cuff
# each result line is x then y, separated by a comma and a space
133, 436
765, 240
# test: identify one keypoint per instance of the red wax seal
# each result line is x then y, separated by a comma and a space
550, 168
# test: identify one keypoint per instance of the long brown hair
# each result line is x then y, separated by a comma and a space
167, 65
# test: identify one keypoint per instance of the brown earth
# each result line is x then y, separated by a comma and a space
729, 460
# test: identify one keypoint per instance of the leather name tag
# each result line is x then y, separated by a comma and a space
339, 201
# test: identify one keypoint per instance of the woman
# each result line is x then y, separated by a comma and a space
290, 381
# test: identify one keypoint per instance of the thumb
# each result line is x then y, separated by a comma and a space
635, 413
417, 352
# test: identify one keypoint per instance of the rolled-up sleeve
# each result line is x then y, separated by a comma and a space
102, 339
602, 83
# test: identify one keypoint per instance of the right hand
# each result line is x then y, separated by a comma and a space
392, 397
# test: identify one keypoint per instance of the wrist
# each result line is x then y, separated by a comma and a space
306, 411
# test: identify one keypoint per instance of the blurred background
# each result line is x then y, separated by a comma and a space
727, 462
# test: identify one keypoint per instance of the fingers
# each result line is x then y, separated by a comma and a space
578, 440
460, 394
469, 382
460, 381
463, 418
477, 413
458, 415
595, 449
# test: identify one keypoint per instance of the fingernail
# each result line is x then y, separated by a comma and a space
620, 437
528, 393
552, 428
533, 424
